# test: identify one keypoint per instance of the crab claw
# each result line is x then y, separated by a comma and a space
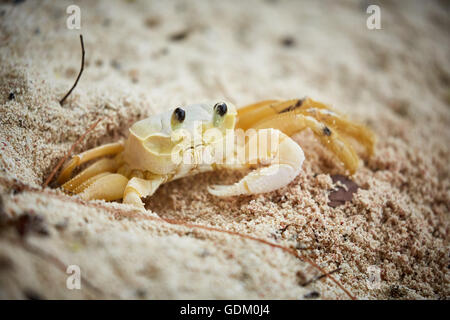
284, 164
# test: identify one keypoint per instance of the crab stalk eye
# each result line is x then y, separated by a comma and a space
178, 117
179, 114
220, 108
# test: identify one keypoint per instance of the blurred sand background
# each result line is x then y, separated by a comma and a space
142, 57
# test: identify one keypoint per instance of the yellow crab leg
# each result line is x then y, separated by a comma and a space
253, 113
102, 165
357, 131
107, 187
330, 117
107, 149
88, 182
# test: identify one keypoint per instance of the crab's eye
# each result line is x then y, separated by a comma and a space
220, 108
179, 114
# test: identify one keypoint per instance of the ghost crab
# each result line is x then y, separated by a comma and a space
160, 149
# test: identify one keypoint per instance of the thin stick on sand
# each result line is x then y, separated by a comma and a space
274, 245
79, 74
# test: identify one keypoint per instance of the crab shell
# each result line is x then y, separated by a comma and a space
153, 142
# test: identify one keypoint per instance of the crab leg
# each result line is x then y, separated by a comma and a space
249, 115
102, 165
254, 113
332, 118
107, 149
83, 186
138, 188
284, 164
348, 128
107, 187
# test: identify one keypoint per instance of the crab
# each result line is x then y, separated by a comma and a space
210, 136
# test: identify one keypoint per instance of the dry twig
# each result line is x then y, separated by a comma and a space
79, 74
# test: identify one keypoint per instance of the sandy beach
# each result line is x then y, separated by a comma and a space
390, 241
